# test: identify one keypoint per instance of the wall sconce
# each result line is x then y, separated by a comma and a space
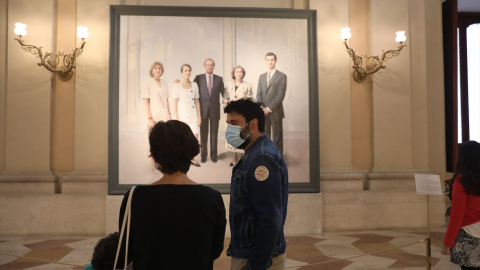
372, 63
50, 60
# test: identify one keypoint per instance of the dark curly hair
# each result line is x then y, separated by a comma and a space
104, 252
249, 110
173, 145
468, 167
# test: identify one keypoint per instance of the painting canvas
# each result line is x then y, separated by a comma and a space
175, 36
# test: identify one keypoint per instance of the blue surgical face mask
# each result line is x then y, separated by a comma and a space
232, 135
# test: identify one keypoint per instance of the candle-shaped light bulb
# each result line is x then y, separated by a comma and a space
82, 32
400, 37
345, 35
20, 29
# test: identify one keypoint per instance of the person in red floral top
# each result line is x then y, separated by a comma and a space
462, 239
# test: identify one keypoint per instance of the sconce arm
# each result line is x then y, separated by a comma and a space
79, 51
359, 73
50, 60
373, 63
37, 51
392, 53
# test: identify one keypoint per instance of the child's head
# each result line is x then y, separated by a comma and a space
104, 252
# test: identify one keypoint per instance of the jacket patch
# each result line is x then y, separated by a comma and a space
261, 173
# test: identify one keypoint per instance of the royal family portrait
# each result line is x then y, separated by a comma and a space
190, 69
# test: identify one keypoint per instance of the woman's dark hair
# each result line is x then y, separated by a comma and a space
185, 65
468, 167
173, 145
104, 252
249, 110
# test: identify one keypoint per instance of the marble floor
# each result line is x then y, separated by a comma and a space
367, 250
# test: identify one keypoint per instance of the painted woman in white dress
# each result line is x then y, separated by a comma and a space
235, 90
155, 96
186, 102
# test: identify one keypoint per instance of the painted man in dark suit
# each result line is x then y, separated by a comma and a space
210, 87
272, 86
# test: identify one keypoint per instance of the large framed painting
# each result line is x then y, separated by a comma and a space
141, 35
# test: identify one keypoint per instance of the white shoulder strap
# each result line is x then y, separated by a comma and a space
126, 220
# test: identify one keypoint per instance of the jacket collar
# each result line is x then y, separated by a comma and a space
254, 146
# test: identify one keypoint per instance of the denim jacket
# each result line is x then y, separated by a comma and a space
258, 205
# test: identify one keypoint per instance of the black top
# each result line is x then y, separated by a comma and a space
175, 227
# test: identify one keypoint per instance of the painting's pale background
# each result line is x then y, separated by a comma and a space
229, 41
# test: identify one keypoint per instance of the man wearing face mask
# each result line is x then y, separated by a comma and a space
259, 191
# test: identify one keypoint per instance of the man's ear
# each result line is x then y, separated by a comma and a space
255, 124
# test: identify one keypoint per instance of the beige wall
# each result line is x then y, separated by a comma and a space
3, 81
28, 93
373, 135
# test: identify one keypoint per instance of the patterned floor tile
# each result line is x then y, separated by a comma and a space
20, 265
329, 251
84, 243
408, 260
14, 245
293, 264
369, 263
46, 250
52, 266
331, 265
4, 259
339, 248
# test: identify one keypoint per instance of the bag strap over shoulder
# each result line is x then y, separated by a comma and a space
126, 221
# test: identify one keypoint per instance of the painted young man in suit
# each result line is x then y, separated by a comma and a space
211, 87
272, 86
